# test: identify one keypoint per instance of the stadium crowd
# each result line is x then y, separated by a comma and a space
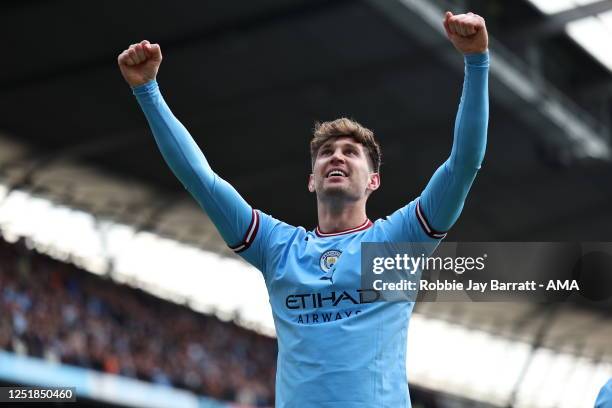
53, 310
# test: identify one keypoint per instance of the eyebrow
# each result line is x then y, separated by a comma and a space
344, 144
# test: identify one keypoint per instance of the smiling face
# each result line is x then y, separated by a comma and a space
342, 170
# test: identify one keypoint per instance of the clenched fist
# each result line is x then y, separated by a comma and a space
139, 63
467, 32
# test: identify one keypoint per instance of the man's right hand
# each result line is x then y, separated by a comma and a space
139, 63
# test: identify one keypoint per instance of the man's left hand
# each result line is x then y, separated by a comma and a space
467, 32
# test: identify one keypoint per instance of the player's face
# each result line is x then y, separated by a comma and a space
342, 170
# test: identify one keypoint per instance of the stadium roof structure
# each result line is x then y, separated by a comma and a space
249, 80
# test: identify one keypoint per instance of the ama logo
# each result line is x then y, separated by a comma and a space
329, 259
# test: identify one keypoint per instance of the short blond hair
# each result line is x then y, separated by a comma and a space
325, 131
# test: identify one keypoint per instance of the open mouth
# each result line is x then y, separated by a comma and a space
336, 173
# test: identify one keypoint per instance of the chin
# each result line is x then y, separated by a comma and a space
338, 192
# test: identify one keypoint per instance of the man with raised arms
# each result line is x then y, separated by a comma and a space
337, 346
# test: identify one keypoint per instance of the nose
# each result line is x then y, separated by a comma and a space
337, 157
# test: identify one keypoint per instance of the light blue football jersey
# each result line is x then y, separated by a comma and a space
338, 347
604, 399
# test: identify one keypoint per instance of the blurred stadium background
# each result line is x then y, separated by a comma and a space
113, 281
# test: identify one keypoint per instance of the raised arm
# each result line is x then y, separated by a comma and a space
442, 200
234, 218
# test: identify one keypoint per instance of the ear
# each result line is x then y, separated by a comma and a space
373, 182
311, 186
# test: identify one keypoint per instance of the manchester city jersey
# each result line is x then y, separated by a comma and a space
339, 346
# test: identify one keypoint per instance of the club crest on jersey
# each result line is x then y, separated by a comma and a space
329, 259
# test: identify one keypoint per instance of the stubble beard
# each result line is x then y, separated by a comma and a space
337, 196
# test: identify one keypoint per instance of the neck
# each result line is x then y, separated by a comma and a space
337, 216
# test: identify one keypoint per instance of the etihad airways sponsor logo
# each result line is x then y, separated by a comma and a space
333, 299
325, 317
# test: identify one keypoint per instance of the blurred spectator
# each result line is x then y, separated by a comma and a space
55, 311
